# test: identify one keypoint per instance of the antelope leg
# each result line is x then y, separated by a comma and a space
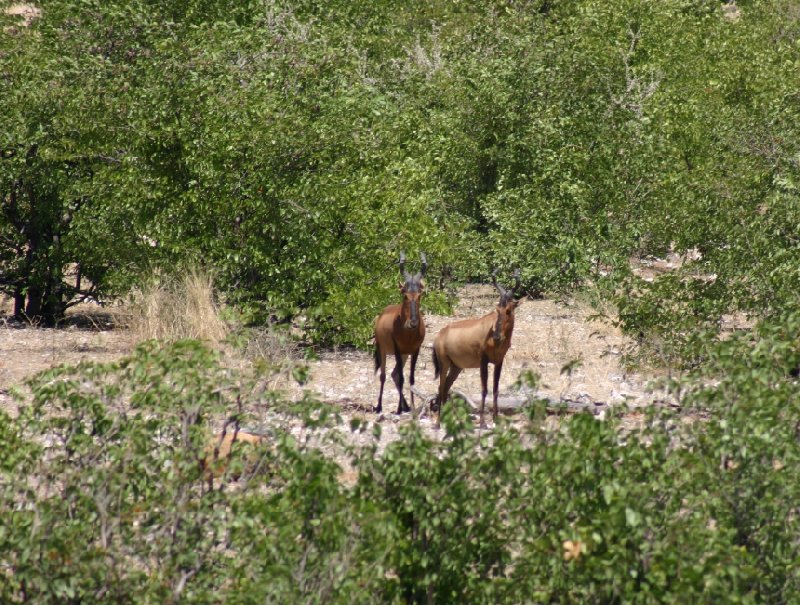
497, 369
379, 408
397, 376
452, 374
484, 380
414, 356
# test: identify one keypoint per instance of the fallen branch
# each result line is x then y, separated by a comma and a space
509, 405
423, 408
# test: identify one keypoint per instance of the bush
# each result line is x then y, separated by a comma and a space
106, 499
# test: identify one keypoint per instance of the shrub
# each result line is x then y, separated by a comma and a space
106, 498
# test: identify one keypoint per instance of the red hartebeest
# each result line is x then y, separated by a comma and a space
475, 343
399, 330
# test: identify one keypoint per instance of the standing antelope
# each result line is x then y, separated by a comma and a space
474, 343
399, 330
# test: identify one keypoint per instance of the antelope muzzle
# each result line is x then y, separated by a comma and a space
497, 334
413, 316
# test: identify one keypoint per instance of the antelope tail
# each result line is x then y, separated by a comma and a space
436, 366
377, 357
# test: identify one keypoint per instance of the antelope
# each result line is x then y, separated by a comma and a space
399, 330
474, 343
219, 450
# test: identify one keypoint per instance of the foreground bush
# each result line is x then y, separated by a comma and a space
104, 497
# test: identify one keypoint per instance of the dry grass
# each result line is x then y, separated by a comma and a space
187, 306
172, 308
272, 345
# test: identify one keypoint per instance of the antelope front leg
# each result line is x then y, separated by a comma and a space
484, 380
411, 379
497, 368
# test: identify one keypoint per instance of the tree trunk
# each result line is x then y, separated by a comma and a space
44, 305
42, 272
19, 302
33, 308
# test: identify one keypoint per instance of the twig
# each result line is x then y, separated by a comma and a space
425, 406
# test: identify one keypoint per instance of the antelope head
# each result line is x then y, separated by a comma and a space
412, 288
505, 308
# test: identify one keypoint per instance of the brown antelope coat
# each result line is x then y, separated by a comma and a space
218, 451
475, 343
399, 331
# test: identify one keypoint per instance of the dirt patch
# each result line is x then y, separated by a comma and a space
548, 335
27, 12
89, 334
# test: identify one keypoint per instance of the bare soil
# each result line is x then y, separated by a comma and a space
89, 334
548, 335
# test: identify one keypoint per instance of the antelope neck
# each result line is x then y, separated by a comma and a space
498, 327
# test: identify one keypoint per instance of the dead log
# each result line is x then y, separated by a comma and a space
510, 405
423, 407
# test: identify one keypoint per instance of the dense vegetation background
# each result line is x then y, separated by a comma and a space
295, 148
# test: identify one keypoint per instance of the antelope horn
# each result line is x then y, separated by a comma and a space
424, 264
496, 285
516, 281
403, 265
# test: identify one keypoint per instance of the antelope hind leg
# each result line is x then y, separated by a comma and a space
379, 408
452, 374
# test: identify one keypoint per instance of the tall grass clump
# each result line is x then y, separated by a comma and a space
175, 307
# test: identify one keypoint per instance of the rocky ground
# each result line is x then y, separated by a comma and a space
548, 335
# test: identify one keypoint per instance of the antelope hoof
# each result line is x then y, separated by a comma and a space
377, 409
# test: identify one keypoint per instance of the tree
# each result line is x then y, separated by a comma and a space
63, 238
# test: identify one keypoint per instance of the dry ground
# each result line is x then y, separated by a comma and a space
548, 334
90, 334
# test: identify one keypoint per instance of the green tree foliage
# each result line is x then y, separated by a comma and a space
60, 241
253, 138
105, 498
298, 147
